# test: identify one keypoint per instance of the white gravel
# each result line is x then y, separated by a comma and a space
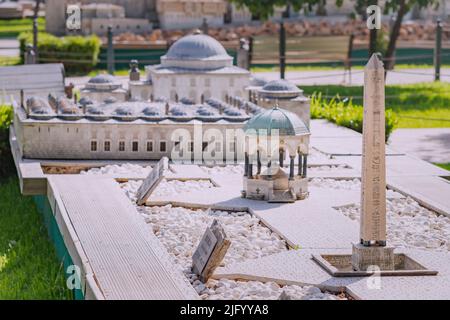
126, 168
229, 169
167, 188
181, 229
327, 167
408, 223
411, 225
354, 184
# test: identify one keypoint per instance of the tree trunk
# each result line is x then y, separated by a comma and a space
372, 34
36, 9
395, 32
372, 41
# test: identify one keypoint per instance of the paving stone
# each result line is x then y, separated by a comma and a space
431, 192
297, 267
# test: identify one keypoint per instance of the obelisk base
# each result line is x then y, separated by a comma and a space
372, 258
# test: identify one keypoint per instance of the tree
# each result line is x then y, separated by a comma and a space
265, 8
401, 8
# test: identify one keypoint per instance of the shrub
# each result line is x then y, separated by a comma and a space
79, 54
345, 113
6, 163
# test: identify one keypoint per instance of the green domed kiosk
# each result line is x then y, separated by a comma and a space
271, 137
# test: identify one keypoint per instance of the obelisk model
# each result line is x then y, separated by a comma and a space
372, 248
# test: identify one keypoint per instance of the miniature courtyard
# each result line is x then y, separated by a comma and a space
271, 244
174, 163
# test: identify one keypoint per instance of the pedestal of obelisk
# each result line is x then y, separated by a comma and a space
372, 250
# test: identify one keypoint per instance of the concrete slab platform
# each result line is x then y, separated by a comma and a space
431, 192
432, 144
297, 267
126, 258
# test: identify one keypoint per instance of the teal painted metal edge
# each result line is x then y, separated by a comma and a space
56, 237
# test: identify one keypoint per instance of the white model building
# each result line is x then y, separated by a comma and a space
197, 67
195, 86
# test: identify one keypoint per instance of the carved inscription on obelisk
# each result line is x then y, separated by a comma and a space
373, 184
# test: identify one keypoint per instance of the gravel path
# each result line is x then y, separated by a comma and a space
408, 223
180, 231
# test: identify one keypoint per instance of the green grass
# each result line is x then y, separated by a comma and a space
424, 105
445, 166
122, 72
9, 61
12, 28
339, 68
29, 268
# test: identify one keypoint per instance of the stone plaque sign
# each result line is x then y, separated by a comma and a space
151, 182
210, 251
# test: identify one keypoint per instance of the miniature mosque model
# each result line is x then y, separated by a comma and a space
195, 84
274, 184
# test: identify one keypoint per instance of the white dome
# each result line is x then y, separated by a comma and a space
197, 51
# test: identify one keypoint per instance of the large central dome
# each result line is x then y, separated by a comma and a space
196, 46
197, 51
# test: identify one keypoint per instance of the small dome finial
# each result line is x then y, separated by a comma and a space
277, 106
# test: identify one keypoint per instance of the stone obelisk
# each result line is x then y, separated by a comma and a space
372, 250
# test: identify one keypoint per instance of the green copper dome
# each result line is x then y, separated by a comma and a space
288, 123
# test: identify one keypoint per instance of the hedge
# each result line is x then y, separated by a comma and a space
79, 54
6, 163
345, 113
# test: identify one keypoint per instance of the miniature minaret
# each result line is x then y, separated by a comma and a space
372, 250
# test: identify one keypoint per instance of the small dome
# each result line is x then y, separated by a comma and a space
196, 46
232, 112
124, 111
187, 101
70, 110
110, 100
288, 123
95, 110
280, 89
102, 79
38, 105
161, 100
103, 82
257, 82
205, 112
85, 101
176, 111
151, 111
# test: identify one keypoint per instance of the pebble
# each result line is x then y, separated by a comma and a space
408, 223
126, 168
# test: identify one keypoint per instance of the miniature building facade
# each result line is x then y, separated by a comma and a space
122, 130
287, 95
195, 86
96, 17
197, 67
175, 14
270, 181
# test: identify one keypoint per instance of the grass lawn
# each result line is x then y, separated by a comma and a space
9, 61
445, 166
29, 268
12, 28
425, 105
339, 68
